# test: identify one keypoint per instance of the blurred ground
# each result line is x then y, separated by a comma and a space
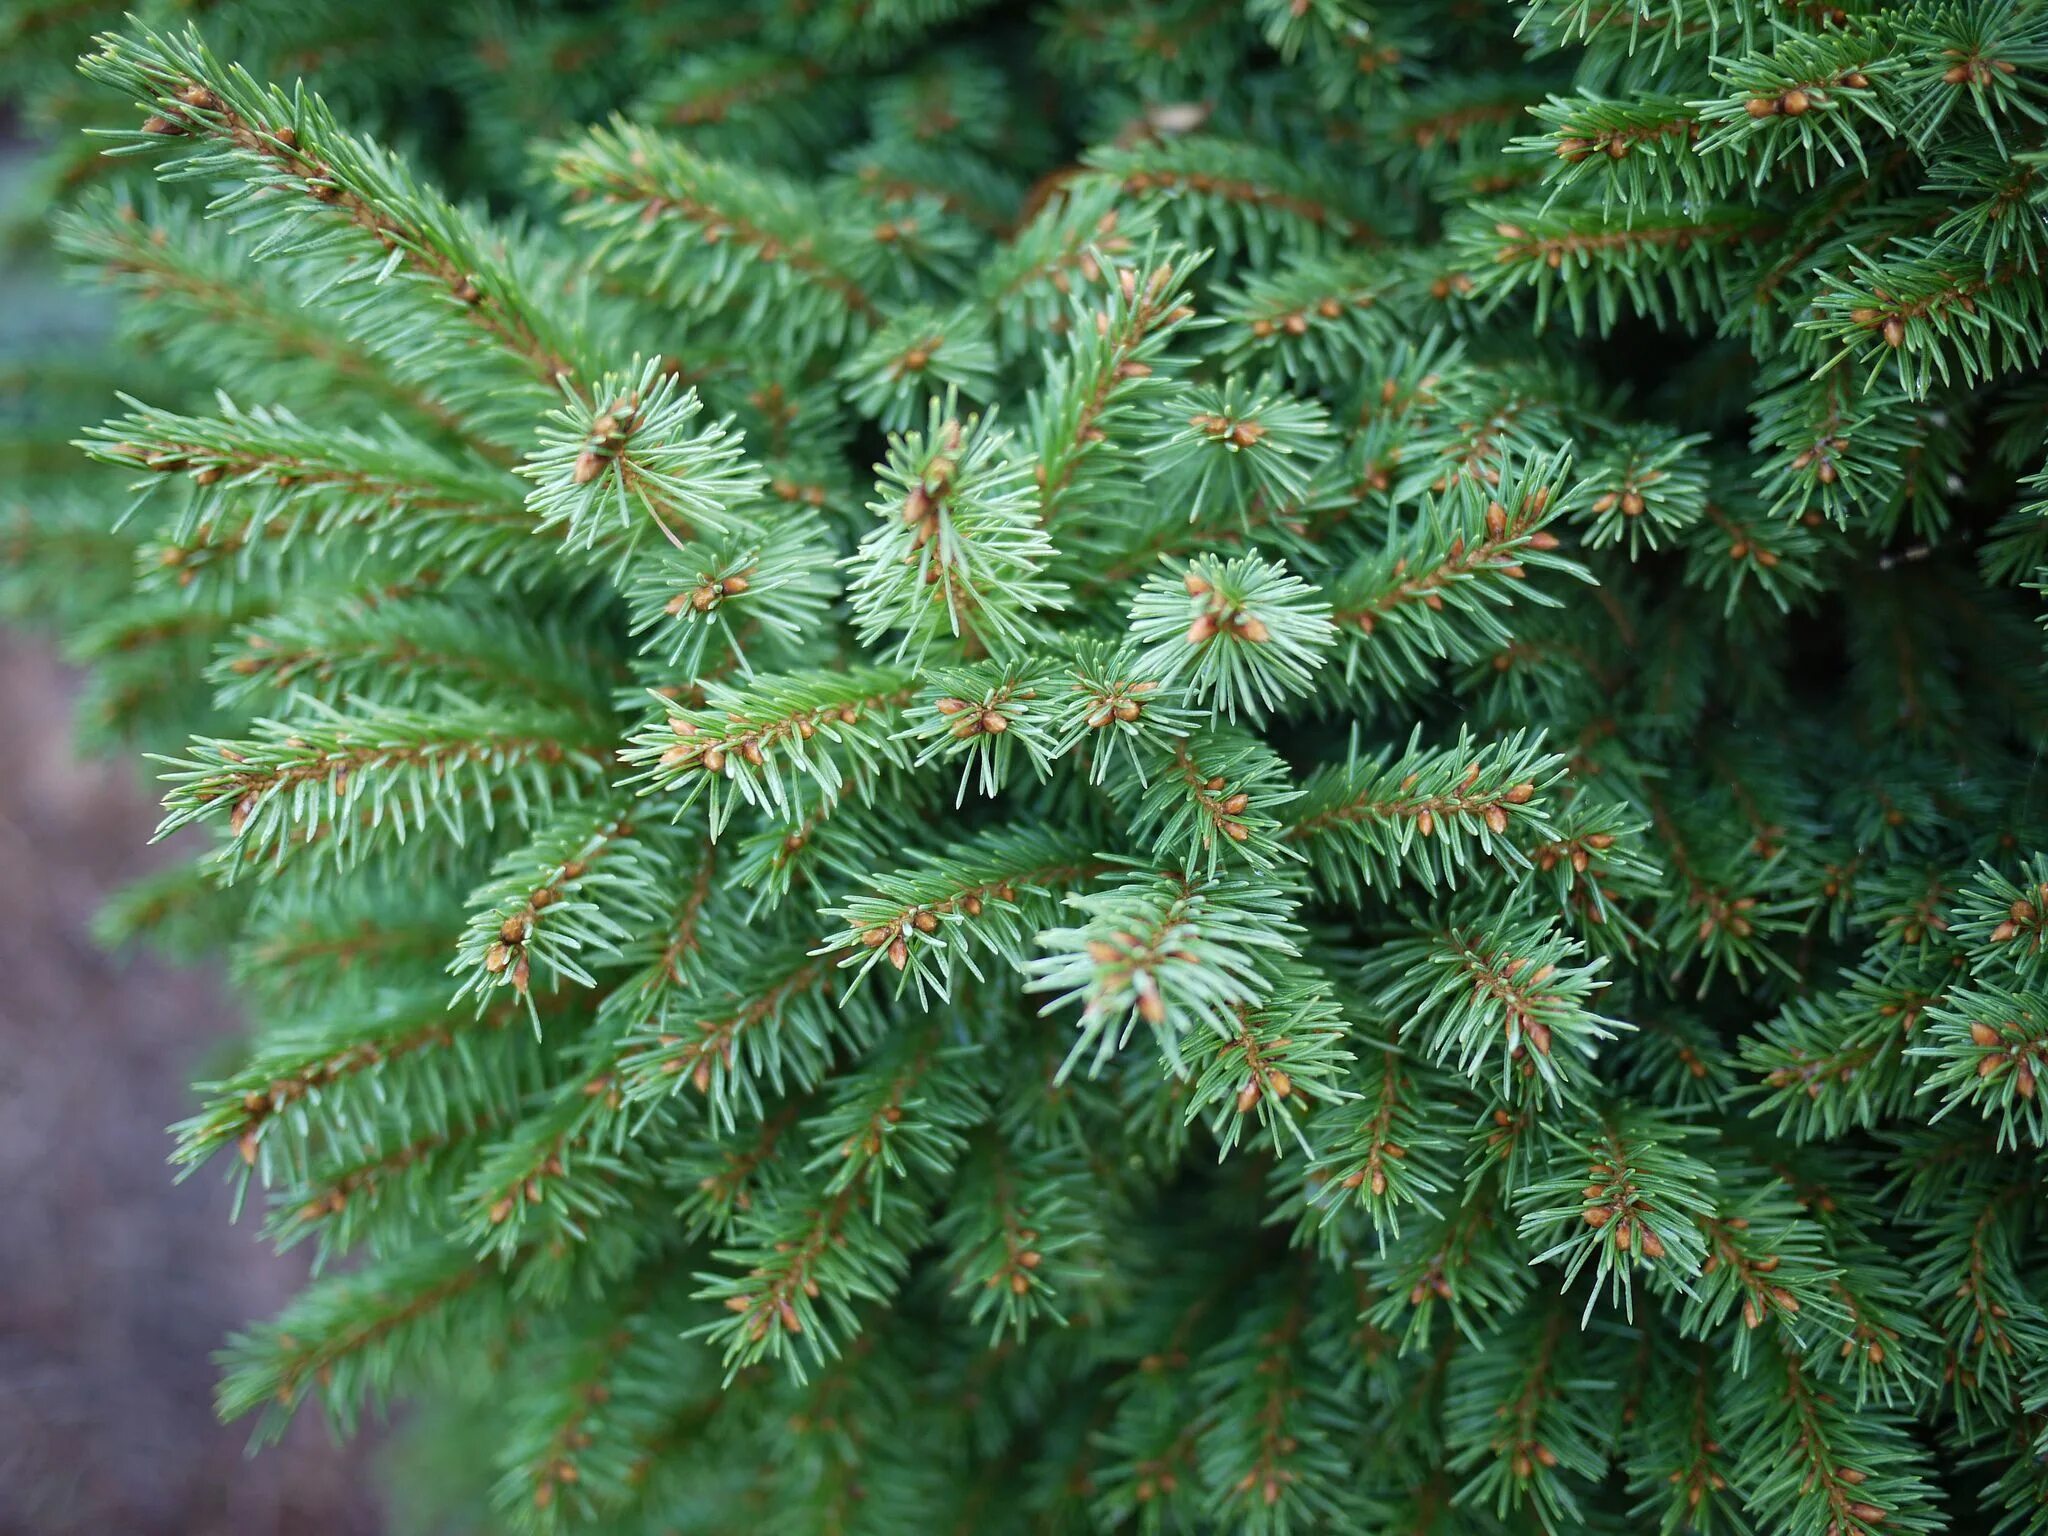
115, 1284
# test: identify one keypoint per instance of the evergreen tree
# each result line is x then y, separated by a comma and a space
1127, 765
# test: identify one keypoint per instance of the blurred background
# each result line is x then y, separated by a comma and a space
116, 1285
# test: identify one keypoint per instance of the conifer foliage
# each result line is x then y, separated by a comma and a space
1127, 765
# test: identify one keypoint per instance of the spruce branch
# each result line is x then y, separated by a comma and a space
1384, 1143
1117, 360
1023, 1238
2001, 921
1268, 1442
1507, 1001
690, 228
1812, 1463
1080, 237
1988, 58
393, 1065
760, 744
359, 1198
330, 196
1110, 702
263, 478
403, 650
1239, 196
775, 1017
325, 781
203, 300
1422, 815
1207, 796
1645, 488
1838, 1060
761, 592
1598, 266
891, 1121
1281, 1060
1623, 1194
1639, 151
1433, 591
1224, 451
558, 903
1988, 1049
610, 1380
1928, 320
1175, 953
1246, 633
359, 1335
958, 554
1807, 102
1519, 1421
912, 356
1768, 1265
605, 471
990, 893
1315, 316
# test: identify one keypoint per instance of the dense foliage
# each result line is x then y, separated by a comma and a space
1138, 764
